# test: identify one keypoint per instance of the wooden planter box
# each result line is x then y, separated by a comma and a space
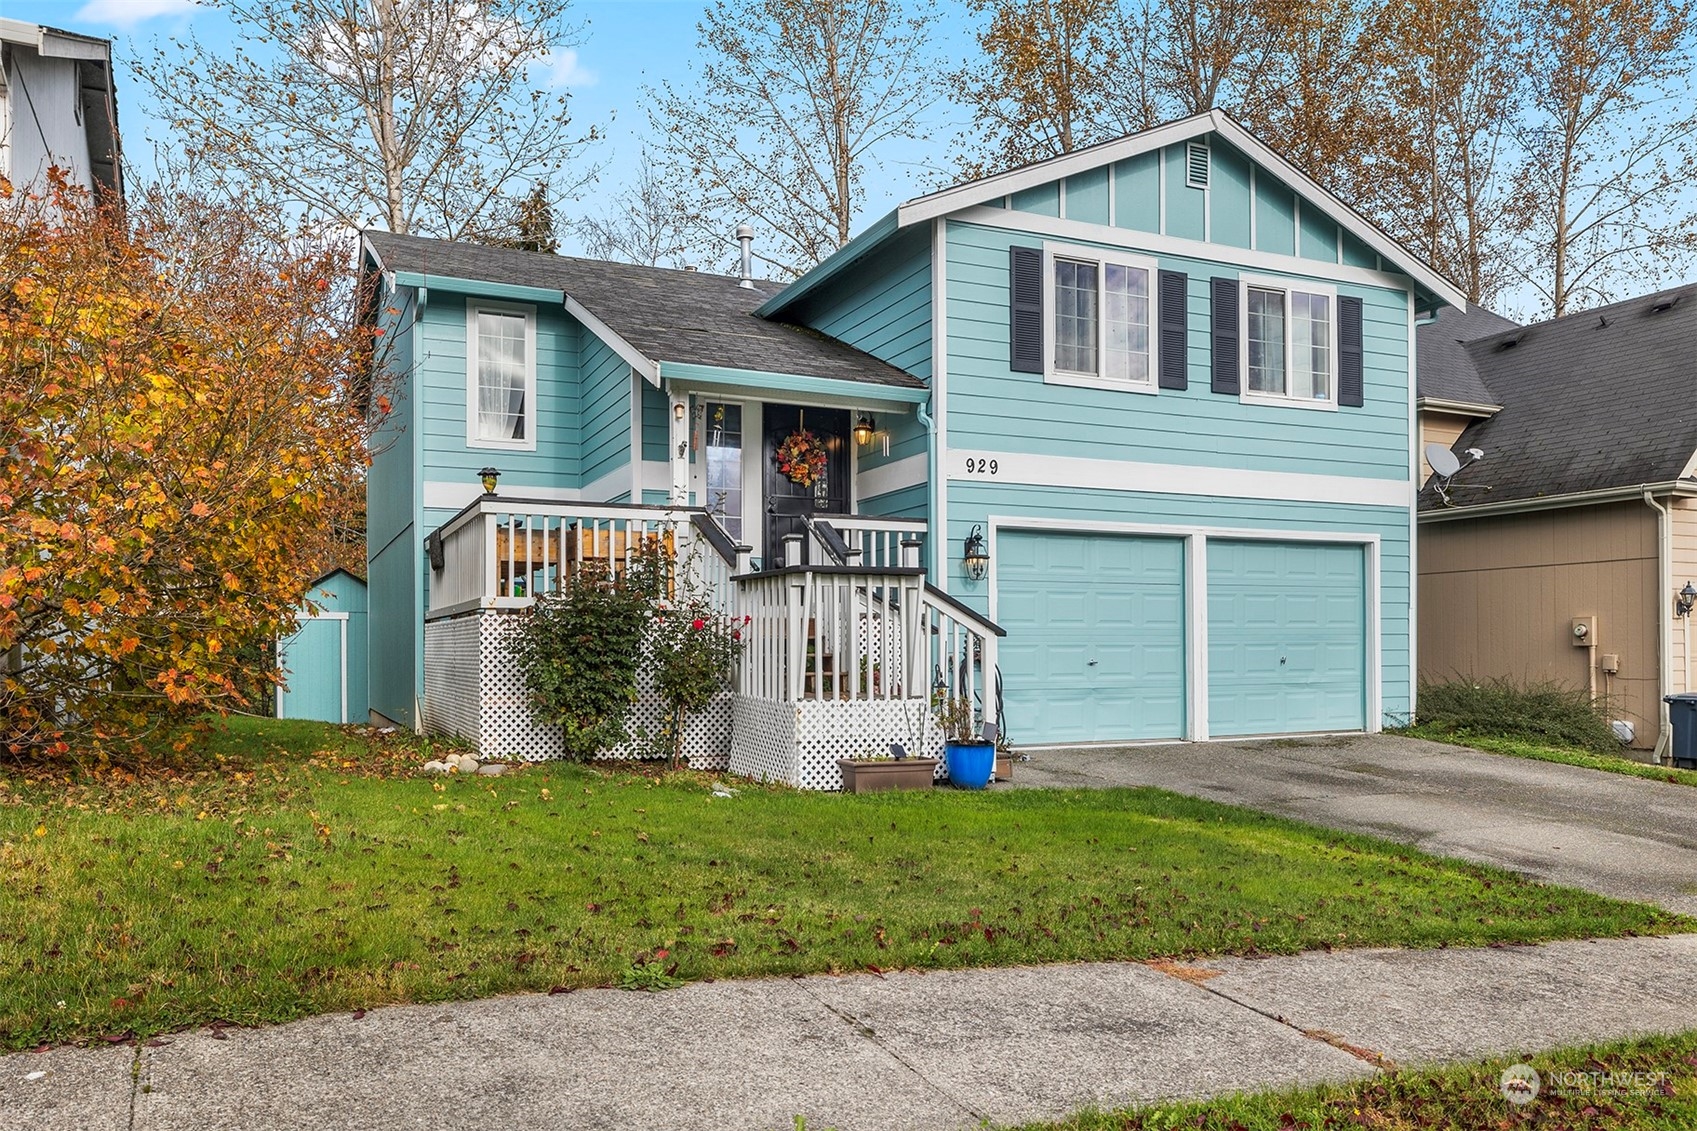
865, 776
1004, 767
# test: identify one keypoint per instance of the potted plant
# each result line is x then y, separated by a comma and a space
969, 758
1004, 759
870, 772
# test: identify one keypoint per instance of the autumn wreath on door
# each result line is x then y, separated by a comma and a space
801, 458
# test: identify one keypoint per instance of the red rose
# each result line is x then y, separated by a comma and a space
698, 624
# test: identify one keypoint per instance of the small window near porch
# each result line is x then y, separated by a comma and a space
724, 464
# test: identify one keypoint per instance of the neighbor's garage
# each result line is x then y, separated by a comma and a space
1095, 644
1096, 647
1287, 637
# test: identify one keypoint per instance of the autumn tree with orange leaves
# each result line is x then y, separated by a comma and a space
181, 435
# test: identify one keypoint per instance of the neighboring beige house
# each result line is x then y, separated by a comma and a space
58, 108
1583, 512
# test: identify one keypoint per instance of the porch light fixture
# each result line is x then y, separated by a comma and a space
976, 555
1685, 599
489, 475
678, 411
864, 430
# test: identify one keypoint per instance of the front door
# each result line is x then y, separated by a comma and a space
784, 497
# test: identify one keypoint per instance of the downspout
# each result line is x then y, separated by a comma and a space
924, 414
1664, 571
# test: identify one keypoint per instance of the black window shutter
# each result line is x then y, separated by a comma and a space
1351, 391
1025, 309
1173, 293
1225, 336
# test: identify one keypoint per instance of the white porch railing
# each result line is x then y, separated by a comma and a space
499, 553
848, 633
873, 541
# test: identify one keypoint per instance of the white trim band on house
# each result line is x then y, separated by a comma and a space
1175, 479
887, 478
454, 495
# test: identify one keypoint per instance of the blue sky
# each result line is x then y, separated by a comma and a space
627, 45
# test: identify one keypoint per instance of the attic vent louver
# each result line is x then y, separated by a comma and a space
1196, 165
1662, 305
1509, 343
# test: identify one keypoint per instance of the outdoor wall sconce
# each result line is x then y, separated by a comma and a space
489, 475
976, 556
864, 430
1684, 600
678, 411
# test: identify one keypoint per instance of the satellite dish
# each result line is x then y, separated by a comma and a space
1443, 460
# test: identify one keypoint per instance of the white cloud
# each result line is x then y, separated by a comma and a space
128, 13
564, 69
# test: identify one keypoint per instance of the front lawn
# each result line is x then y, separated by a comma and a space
1640, 1085
309, 869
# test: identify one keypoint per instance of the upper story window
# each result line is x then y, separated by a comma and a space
1290, 343
1101, 325
501, 376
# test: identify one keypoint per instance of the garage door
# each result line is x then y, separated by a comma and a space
1095, 644
1287, 637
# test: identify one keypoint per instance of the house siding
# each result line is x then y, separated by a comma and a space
395, 601
990, 407
1683, 641
1439, 428
1498, 597
441, 379
605, 410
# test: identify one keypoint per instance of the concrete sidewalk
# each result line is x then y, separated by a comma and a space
932, 1051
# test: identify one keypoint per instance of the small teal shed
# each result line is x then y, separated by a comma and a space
323, 663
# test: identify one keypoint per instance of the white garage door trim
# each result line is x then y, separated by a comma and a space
1196, 595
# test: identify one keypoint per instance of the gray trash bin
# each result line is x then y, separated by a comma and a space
1682, 715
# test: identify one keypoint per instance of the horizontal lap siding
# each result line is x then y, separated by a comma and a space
607, 391
994, 409
656, 429
441, 378
971, 503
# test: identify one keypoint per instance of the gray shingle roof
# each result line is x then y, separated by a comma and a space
687, 317
1604, 398
1445, 371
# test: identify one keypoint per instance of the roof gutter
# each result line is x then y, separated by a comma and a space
1460, 408
1681, 488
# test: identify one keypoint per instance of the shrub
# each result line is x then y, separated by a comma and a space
578, 651
1549, 713
694, 650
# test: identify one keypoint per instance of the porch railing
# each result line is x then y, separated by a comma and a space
500, 553
876, 542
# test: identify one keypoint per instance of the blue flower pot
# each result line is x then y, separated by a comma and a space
970, 764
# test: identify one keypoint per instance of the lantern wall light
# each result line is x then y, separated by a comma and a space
489, 476
975, 556
864, 430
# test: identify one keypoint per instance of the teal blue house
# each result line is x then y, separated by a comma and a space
323, 662
1119, 445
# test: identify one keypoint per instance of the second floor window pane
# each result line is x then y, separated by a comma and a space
501, 382
1311, 346
1266, 341
1126, 348
1075, 316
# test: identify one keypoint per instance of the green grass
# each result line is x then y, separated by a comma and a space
1460, 1098
304, 869
1566, 755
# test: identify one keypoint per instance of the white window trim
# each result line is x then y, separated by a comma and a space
1099, 256
473, 308
1274, 283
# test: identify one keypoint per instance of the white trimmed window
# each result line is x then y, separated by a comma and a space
500, 376
1290, 343
1100, 329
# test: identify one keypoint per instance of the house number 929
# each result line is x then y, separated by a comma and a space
981, 467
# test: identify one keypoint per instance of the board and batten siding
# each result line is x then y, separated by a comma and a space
1242, 207
1498, 596
1683, 641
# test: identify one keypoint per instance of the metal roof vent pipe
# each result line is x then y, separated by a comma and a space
745, 236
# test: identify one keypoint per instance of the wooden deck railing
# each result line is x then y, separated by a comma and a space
878, 542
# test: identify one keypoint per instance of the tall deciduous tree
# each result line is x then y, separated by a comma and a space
420, 116
1453, 187
177, 444
647, 223
1208, 53
1046, 82
1612, 141
794, 101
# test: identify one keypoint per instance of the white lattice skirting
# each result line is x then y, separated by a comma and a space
473, 690
799, 743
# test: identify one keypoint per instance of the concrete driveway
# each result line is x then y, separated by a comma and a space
1607, 833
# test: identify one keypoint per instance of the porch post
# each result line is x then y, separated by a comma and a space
679, 409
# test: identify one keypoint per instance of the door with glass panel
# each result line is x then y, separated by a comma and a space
722, 485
